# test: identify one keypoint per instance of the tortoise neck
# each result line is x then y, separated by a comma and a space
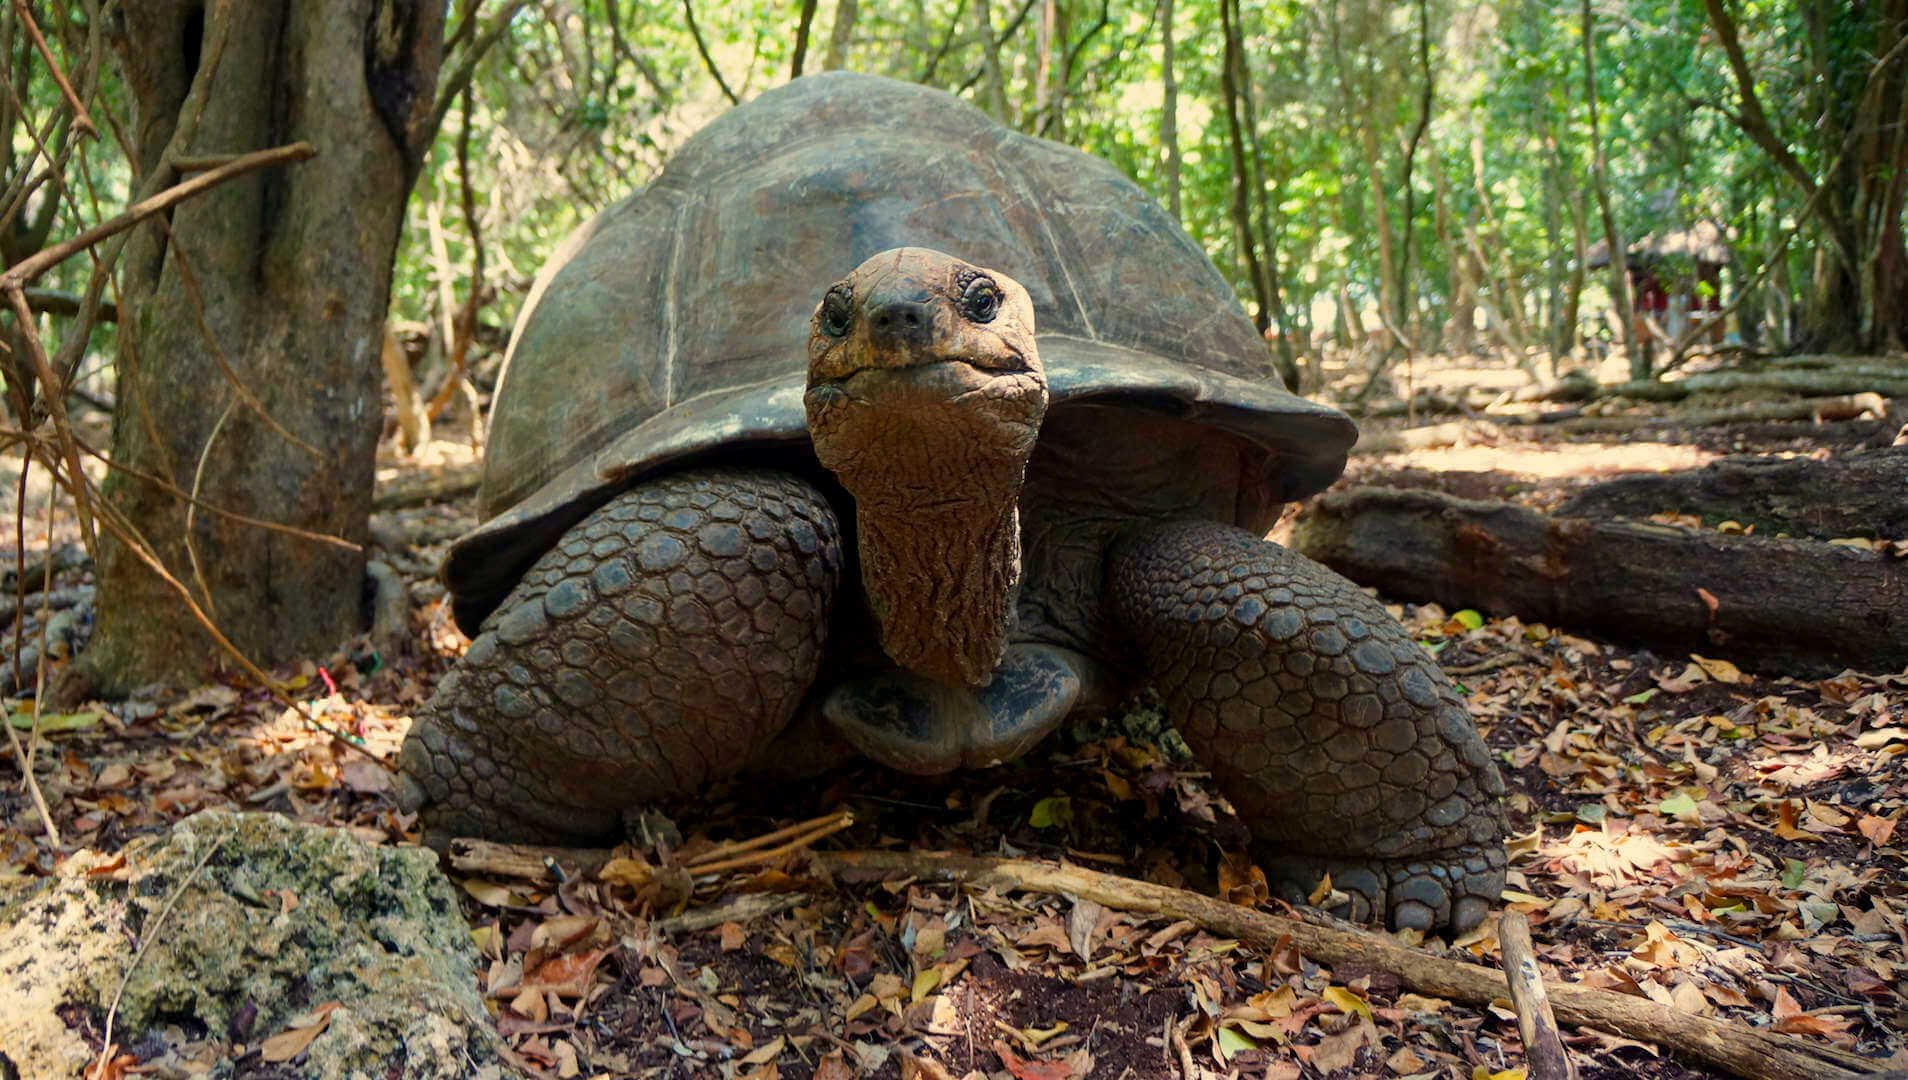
942, 585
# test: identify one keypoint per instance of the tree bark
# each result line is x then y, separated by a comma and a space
803, 24
991, 81
284, 276
1789, 606
1859, 494
1170, 168
1600, 184
1264, 290
1863, 269
841, 35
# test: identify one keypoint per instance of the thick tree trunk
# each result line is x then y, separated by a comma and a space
1789, 606
283, 277
1860, 494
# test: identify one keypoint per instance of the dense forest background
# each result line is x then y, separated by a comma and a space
1438, 174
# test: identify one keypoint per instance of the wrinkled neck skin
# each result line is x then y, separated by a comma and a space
936, 480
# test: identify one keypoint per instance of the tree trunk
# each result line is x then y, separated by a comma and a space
1788, 606
1168, 111
1281, 320
990, 62
1599, 182
1381, 214
841, 35
1859, 494
1264, 285
804, 22
1860, 300
1051, 77
284, 276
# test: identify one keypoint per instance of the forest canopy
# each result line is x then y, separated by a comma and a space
1348, 164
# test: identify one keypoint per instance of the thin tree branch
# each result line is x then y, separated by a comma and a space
81, 117
702, 48
802, 26
23, 273
460, 75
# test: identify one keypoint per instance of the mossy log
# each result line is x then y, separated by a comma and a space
1788, 606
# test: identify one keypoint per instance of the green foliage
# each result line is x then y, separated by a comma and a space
580, 102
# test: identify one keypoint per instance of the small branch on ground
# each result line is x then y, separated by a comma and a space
148, 934
1536, 1023
1745, 1051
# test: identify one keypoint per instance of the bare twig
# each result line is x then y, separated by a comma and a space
804, 836
451, 85
56, 407
191, 514
695, 32
13, 739
1536, 1023
147, 935
832, 823
27, 270
82, 119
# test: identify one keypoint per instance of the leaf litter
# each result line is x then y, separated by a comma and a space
1721, 842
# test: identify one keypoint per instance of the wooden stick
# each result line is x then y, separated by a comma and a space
732, 847
1737, 1048
1543, 1046
528, 862
827, 827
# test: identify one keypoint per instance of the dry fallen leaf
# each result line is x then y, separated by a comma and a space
292, 1042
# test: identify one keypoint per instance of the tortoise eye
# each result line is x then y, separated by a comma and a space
837, 313
980, 301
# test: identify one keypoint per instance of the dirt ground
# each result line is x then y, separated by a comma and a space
1721, 842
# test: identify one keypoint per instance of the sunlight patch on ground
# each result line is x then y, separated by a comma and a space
1553, 461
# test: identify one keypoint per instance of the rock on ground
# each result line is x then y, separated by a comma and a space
273, 921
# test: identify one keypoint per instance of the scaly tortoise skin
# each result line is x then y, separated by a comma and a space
727, 523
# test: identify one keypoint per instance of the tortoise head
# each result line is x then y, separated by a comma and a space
925, 396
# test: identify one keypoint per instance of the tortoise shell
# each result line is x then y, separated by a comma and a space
674, 324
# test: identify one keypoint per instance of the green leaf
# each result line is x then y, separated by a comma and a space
1468, 618
1055, 811
53, 723
1233, 1041
1642, 698
1793, 872
1677, 805
1591, 813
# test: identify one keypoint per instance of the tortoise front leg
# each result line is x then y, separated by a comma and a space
651, 651
1337, 738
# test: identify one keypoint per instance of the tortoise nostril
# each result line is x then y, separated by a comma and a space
907, 318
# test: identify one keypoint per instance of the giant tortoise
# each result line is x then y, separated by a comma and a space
726, 523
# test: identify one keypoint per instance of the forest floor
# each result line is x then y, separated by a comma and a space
1721, 842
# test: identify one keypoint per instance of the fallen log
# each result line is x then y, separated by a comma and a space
1859, 494
1449, 433
1794, 606
428, 486
1803, 382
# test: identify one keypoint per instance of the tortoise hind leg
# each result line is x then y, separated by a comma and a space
1337, 738
648, 653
